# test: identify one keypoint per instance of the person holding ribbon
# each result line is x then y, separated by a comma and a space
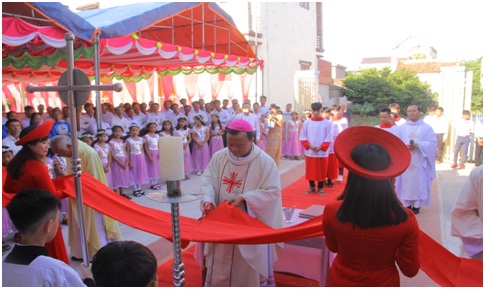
368, 227
244, 176
28, 170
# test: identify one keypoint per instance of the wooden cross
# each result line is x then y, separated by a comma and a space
74, 89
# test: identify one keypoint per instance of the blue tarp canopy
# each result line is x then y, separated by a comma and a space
50, 14
200, 25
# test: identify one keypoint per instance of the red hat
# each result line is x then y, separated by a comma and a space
39, 132
241, 125
348, 139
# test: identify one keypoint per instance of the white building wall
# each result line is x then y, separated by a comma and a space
289, 35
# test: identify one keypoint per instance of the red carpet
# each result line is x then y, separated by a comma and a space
294, 195
193, 276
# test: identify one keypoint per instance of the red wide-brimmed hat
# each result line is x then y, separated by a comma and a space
39, 132
351, 137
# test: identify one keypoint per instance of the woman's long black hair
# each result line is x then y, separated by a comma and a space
370, 203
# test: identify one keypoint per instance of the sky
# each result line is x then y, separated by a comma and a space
355, 29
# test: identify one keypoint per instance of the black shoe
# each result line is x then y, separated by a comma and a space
76, 258
415, 210
329, 184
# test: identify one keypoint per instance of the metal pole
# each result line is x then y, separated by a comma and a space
173, 190
75, 160
96, 81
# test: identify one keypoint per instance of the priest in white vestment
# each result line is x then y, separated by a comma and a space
248, 178
413, 187
467, 215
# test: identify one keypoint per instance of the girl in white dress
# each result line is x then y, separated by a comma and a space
152, 155
136, 160
119, 165
200, 148
183, 131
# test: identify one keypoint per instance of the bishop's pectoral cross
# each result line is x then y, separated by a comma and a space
74, 89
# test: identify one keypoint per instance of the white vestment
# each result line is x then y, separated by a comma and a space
42, 271
413, 187
256, 178
467, 214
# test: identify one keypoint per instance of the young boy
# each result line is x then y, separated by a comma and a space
35, 214
125, 264
342, 124
316, 136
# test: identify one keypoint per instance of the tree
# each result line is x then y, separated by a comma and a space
372, 89
477, 89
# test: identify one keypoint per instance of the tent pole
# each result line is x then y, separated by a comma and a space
96, 81
203, 28
192, 26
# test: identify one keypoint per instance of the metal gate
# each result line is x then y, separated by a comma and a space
306, 85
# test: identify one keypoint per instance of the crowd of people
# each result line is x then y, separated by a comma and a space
127, 143
221, 142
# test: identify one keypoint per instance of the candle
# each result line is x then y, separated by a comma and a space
171, 158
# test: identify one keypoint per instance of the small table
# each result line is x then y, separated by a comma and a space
309, 258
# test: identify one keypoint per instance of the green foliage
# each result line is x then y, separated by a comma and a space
477, 89
372, 89
419, 56
362, 109
363, 119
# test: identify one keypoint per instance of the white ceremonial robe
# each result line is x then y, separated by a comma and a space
413, 187
256, 178
43, 271
467, 214
393, 129
316, 133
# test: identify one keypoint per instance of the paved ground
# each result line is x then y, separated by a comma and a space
434, 220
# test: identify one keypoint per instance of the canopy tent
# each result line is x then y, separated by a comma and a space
32, 42
50, 14
197, 25
132, 58
36, 54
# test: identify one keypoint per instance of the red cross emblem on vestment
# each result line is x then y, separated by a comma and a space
231, 182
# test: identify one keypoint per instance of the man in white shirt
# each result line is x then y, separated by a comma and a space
225, 103
154, 115
88, 122
106, 114
251, 118
118, 119
430, 116
138, 114
166, 110
223, 114
41, 110
66, 114
130, 116
28, 110
175, 114
263, 108
440, 127
13, 130
197, 111
464, 130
